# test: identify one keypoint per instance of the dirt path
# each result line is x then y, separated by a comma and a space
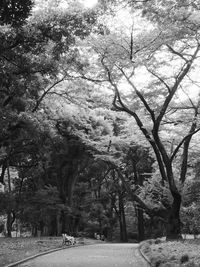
100, 255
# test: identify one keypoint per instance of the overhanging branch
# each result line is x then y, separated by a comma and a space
47, 91
181, 143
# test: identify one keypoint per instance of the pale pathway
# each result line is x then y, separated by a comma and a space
101, 255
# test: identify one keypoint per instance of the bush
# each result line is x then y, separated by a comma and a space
158, 241
158, 263
184, 258
150, 241
146, 248
190, 264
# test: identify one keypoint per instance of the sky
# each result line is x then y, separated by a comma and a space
65, 4
89, 3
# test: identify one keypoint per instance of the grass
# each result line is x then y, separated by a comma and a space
173, 253
15, 249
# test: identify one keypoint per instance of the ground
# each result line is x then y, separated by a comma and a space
161, 253
173, 253
14, 249
98, 255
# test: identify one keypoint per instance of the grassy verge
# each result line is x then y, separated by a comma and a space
15, 249
173, 253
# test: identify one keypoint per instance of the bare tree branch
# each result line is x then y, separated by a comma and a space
160, 79
177, 53
139, 95
173, 90
147, 135
182, 141
47, 91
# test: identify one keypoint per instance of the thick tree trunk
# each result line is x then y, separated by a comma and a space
9, 224
59, 225
122, 220
69, 224
173, 228
63, 221
140, 224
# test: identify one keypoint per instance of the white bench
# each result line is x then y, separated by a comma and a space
68, 240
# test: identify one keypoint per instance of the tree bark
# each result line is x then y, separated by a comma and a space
122, 220
8, 224
10, 213
173, 227
140, 224
139, 181
63, 221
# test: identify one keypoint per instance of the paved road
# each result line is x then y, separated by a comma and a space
99, 255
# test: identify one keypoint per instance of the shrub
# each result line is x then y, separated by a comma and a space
190, 264
184, 258
158, 241
172, 258
158, 263
150, 241
146, 248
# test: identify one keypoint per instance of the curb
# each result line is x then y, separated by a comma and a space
41, 254
143, 255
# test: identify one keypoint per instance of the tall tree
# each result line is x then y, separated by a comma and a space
31, 55
149, 70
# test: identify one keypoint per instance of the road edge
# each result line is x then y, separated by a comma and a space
143, 255
41, 254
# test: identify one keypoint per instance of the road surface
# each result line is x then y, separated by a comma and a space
99, 255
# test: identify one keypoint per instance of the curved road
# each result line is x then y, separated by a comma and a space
99, 255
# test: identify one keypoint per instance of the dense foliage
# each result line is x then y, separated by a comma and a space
99, 118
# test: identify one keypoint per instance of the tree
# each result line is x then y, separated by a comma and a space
31, 55
14, 12
139, 165
161, 55
32, 51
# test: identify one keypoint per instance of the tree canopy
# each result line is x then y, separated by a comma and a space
103, 100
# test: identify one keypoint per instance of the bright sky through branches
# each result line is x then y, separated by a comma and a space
89, 3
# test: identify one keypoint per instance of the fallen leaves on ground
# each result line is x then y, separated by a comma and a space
173, 253
15, 249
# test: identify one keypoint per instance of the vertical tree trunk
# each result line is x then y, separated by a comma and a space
10, 213
34, 230
100, 226
63, 221
10, 221
139, 181
8, 224
122, 220
173, 228
109, 233
58, 223
140, 224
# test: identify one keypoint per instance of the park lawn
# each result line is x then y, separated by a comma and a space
173, 253
15, 249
